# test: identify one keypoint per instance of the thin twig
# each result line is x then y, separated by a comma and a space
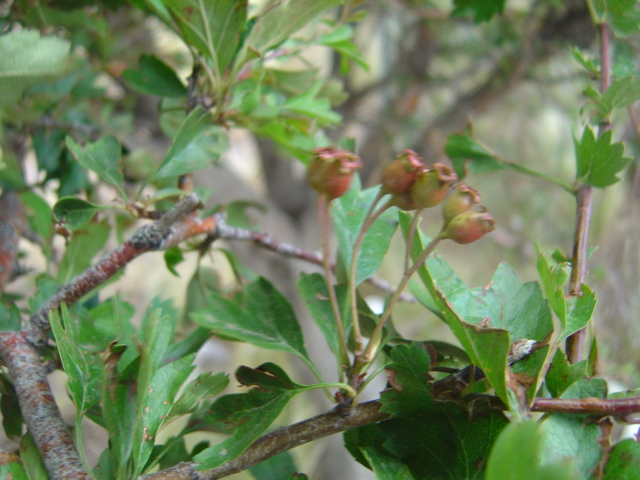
155, 236
278, 441
39, 408
584, 200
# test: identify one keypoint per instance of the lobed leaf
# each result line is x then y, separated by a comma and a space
599, 160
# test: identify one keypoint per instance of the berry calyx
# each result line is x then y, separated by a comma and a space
462, 199
331, 170
431, 185
401, 173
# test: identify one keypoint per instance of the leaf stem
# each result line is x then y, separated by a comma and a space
369, 218
376, 336
324, 226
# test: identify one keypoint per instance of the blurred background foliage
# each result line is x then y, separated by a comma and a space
416, 72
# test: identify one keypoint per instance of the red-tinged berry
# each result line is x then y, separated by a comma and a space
401, 173
468, 227
431, 186
331, 170
462, 199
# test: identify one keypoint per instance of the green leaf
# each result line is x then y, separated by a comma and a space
31, 459
434, 439
10, 316
487, 347
83, 371
38, 213
278, 467
572, 439
589, 65
205, 385
13, 468
313, 292
386, 467
282, 20
622, 15
154, 77
75, 212
247, 416
81, 249
309, 105
157, 400
562, 374
516, 455
101, 157
580, 310
194, 147
172, 257
238, 216
620, 94
468, 156
340, 41
213, 27
599, 160
348, 215
482, 10
624, 461
119, 405
265, 318
27, 59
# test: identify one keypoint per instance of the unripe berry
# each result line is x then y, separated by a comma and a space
462, 199
431, 186
468, 226
331, 170
403, 201
401, 173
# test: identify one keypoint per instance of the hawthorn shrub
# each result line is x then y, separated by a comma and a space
512, 392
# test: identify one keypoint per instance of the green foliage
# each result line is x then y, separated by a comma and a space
68, 103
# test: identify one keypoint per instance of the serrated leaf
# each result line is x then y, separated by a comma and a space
579, 310
154, 77
624, 461
265, 318
157, 402
434, 439
213, 27
101, 157
194, 147
482, 10
621, 15
487, 347
620, 94
516, 455
75, 212
599, 160
348, 216
84, 373
562, 374
246, 416
27, 59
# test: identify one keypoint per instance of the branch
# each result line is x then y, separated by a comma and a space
39, 408
155, 236
278, 441
584, 202
223, 231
